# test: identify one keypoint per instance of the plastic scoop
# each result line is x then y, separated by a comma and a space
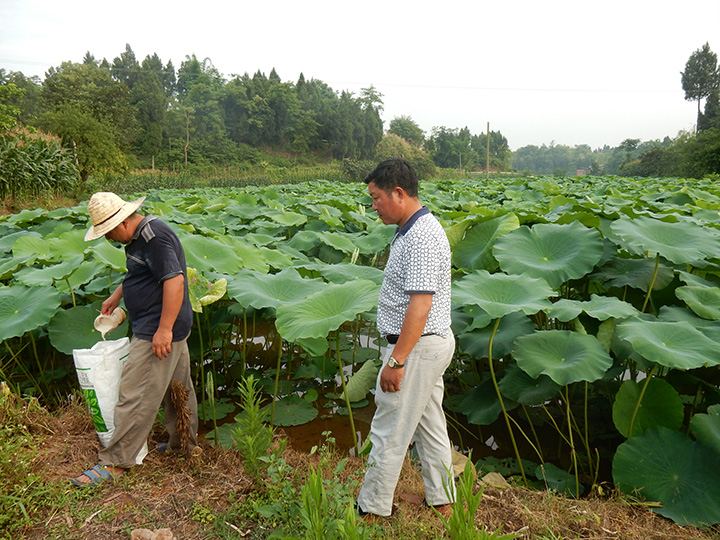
106, 323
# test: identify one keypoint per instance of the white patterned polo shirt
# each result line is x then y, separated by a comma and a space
419, 262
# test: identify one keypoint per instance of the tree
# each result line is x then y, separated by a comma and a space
9, 112
407, 128
701, 75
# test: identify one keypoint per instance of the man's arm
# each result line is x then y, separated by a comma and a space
413, 325
173, 294
113, 301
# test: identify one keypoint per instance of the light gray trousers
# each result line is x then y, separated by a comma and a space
414, 413
144, 386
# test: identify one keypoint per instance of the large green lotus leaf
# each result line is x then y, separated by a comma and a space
456, 232
8, 240
660, 406
637, 273
324, 311
275, 258
598, 307
305, 240
249, 256
706, 428
711, 329
73, 328
468, 318
553, 252
681, 242
341, 242
252, 289
28, 245
566, 357
206, 254
376, 241
499, 294
292, 410
474, 252
28, 216
39, 277
288, 219
113, 257
704, 301
9, 265
315, 347
521, 387
481, 405
666, 466
511, 327
69, 244
202, 291
26, 308
85, 273
671, 344
342, 272
362, 381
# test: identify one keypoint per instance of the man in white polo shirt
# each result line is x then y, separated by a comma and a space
414, 316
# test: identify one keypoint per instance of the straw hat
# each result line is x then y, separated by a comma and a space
107, 211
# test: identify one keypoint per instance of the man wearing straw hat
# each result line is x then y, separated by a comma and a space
155, 290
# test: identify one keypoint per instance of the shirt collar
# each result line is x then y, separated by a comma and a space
147, 219
410, 222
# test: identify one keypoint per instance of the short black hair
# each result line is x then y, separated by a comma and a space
392, 173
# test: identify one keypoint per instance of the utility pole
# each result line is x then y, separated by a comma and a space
487, 154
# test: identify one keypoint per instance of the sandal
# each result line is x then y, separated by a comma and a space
97, 475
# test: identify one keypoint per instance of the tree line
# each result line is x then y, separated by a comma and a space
129, 114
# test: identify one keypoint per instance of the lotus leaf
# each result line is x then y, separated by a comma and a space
671, 344
305, 240
342, 272
481, 406
7, 241
704, 301
324, 311
553, 252
206, 254
474, 252
223, 407
375, 241
113, 257
292, 410
202, 291
468, 318
73, 328
289, 219
511, 327
566, 357
252, 289
660, 406
341, 242
69, 244
561, 481
500, 294
38, 277
23, 309
637, 273
519, 386
9, 265
315, 347
666, 466
706, 428
84, 274
35, 246
681, 243
362, 381
598, 307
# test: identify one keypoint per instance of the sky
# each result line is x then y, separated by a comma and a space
564, 72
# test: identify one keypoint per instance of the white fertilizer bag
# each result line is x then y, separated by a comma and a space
99, 369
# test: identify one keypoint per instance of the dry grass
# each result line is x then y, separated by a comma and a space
185, 495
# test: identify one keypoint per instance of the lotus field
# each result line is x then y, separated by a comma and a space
587, 314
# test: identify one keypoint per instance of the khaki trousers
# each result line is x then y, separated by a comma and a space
144, 386
414, 414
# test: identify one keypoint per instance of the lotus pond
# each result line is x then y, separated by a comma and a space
587, 314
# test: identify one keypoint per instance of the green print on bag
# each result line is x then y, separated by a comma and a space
97, 418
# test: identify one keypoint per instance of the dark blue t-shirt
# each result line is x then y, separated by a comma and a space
153, 255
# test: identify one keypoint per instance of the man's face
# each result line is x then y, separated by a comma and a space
387, 205
120, 233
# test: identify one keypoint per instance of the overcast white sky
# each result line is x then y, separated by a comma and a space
564, 71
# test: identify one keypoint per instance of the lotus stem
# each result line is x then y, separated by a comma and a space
72, 293
244, 343
277, 382
537, 449
210, 389
502, 403
652, 282
535, 435
587, 434
573, 454
202, 363
347, 399
640, 398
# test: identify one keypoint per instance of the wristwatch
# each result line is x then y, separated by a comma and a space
394, 364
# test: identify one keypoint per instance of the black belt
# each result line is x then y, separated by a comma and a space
393, 338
